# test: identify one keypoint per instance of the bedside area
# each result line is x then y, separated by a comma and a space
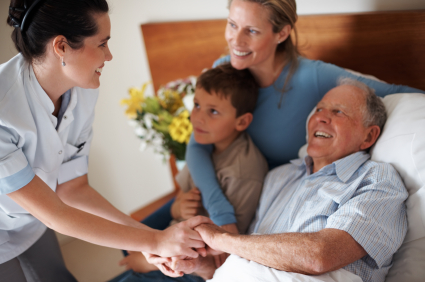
89, 262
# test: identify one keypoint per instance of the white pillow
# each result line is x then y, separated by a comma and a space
408, 263
402, 144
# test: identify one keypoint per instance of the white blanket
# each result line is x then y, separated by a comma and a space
237, 269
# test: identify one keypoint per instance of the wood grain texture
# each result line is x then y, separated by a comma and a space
179, 49
388, 45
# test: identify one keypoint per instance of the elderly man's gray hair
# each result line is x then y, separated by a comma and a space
374, 112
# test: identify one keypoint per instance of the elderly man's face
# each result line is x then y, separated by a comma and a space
336, 128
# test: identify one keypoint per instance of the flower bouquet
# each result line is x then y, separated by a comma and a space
162, 121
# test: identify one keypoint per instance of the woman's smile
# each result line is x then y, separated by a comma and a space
240, 53
250, 37
99, 69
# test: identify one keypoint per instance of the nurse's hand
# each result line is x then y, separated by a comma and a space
181, 240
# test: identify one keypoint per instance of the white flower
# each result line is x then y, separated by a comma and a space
147, 119
189, 90
173, 83
160, 92
181, 87
150, 134
188, 102
157, 140
140, 131
193, 80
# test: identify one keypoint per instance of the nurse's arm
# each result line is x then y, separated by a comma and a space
79, 194
40, 201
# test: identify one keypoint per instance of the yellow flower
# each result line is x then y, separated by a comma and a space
137, 97
170, 100
181, 128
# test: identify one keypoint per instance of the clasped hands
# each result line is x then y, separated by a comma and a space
201, 264
185, 207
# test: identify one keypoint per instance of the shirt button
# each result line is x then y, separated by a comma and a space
65, 117
60, 152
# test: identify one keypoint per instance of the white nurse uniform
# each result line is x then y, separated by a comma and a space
30, 145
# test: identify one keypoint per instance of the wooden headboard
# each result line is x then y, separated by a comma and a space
388, 45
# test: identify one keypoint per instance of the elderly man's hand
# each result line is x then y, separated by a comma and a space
202, 266
210, 234
185, 265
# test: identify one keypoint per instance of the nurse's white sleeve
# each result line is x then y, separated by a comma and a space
15, 171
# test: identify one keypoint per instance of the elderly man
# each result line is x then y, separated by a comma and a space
335, 214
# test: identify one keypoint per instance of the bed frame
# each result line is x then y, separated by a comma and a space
388, 45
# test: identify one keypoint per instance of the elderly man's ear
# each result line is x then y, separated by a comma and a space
371, 135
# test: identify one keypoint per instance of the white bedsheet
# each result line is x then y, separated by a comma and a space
237, 269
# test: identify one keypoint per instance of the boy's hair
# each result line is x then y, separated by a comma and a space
226, 81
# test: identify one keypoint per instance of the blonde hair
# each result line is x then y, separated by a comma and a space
282, 13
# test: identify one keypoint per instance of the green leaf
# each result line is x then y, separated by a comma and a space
152, 105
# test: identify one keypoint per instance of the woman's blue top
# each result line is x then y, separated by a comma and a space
278, 133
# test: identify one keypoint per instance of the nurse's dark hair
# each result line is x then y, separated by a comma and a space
73, 19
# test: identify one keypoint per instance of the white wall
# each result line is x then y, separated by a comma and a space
126, 177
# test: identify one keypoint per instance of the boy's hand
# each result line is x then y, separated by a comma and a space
187, 205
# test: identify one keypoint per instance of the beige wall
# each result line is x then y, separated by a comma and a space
118, 170
7, 49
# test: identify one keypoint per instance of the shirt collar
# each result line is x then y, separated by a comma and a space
347, 166
69, 109
40, 93
344, 168
44, 99
306, 163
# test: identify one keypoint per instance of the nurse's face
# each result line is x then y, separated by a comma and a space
84, 66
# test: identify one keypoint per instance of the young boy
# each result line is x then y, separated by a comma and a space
225, 99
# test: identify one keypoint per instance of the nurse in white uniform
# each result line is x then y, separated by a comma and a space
47, 98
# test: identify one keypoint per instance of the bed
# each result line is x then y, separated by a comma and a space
388, 45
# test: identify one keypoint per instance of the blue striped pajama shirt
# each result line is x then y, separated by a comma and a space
362, 197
